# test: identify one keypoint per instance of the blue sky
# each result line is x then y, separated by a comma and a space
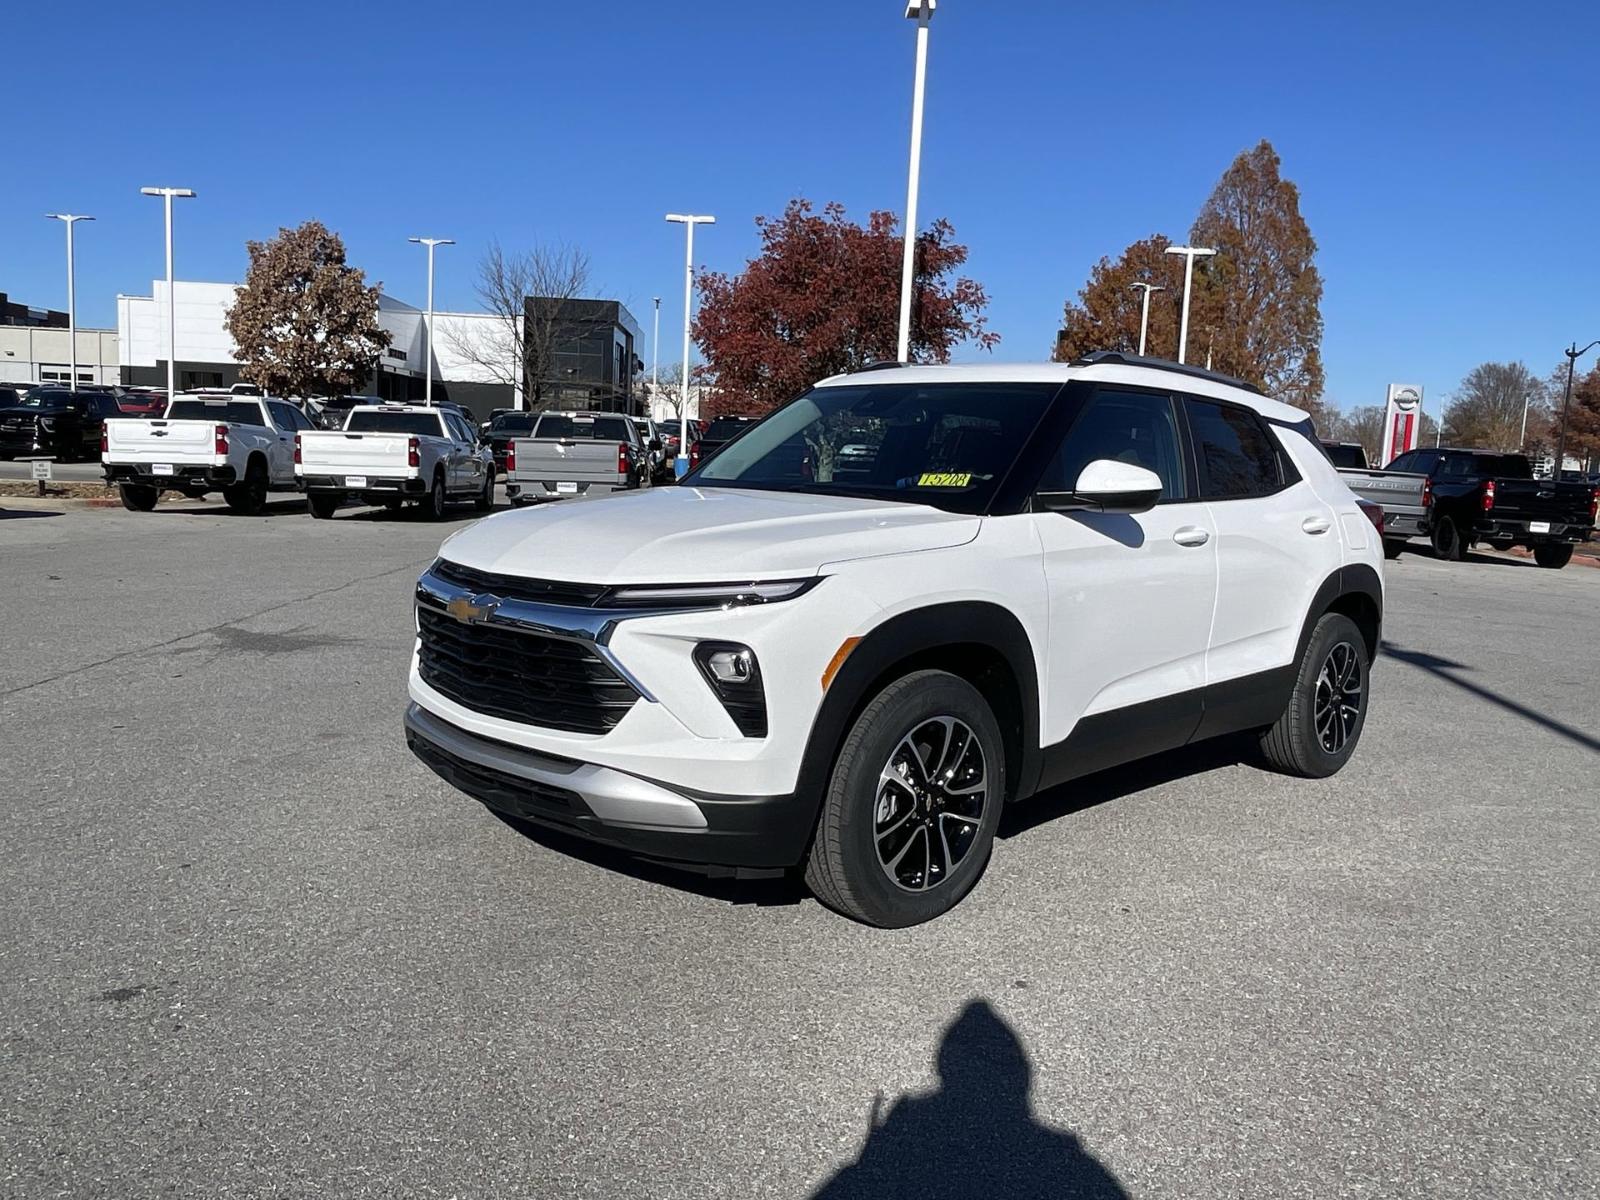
1447, 154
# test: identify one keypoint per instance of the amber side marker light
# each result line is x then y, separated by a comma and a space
837, 661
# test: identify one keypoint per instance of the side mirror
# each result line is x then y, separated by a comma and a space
1106, 486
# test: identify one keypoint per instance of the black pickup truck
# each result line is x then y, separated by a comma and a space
1481, 496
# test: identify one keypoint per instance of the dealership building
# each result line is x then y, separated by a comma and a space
36, 347
593, 363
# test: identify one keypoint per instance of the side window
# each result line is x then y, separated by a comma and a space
1235, 454
1405, 462
1457, 466
1130, 427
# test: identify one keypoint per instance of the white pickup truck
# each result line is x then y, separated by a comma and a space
242, 446
393, 453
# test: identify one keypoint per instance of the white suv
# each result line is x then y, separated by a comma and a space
901, 601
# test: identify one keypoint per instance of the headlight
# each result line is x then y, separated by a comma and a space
735, 677
707, 595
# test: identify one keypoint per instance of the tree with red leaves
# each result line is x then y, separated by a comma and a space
822, 298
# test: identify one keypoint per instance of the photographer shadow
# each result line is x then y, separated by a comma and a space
976, 1136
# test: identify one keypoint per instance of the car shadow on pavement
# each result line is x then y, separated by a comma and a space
1116, 782
1447, 670
976, 1135
20, 514
779, 890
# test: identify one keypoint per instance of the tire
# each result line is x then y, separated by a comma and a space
1392, 548
484, 500
136, 497
921, 714
433, 502
250, 497
1447, 541
322, 504
1553, 555
394, 506
1306, 740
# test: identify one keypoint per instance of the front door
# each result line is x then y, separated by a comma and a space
1130, 596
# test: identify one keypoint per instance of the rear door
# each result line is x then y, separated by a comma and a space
1130, 596
1277, 540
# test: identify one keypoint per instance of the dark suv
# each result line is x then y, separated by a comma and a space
56, 421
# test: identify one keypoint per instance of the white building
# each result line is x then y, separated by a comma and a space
41, 354
207, 356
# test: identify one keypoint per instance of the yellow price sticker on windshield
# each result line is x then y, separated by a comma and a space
945, 479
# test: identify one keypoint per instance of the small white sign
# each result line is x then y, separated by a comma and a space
567, 489
41, 469
161, 469
355, 481
1538, 526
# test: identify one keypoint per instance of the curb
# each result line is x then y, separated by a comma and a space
58, 503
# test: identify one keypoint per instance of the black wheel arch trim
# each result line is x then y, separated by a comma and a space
907, 636
1357, 579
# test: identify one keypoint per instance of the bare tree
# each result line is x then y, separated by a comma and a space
667, 395
1487, 409
524, 293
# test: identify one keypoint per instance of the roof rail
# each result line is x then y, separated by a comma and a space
879, 366
1120, 358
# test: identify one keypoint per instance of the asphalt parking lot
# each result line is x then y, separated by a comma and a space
251, 948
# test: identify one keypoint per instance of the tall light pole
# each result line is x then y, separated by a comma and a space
920, 11
655, 352
70, 219
1190, 253
680, 465
168, 194
427, 373
1573, 355
1144, 312
1522, 441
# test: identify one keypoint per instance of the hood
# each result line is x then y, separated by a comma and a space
687, 534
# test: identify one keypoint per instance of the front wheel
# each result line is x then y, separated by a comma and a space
908, 821
1553, 555
137, 497
1319, 729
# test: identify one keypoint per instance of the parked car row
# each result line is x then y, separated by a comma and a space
1456, 498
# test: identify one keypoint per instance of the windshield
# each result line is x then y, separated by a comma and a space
605, 429
39, 398
417, 424
724, 428
234, 412
513, 423
944, 444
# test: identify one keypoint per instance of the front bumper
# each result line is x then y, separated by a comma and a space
716, 833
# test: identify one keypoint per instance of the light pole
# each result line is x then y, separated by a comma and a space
1190, 253
70, 219
655, 354
680, 465
1522, 441
167, 194
427, 372
1573, 355
1144, 311
920, 11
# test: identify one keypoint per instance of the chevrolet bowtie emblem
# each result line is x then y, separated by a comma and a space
469, 610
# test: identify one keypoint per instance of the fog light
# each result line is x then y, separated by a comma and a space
735, 676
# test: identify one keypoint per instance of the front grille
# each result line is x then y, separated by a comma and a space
522, 677
515, 587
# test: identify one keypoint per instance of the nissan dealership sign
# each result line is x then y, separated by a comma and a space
1402, 424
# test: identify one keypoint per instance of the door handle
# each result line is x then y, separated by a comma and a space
1316, 524
1191, 535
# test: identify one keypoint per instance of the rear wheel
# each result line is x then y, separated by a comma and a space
250, 497
433, 503
908, 821
485, 499
1447, 541
1392, 547
136, 497
1553, 555
322, 504
1318, 731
